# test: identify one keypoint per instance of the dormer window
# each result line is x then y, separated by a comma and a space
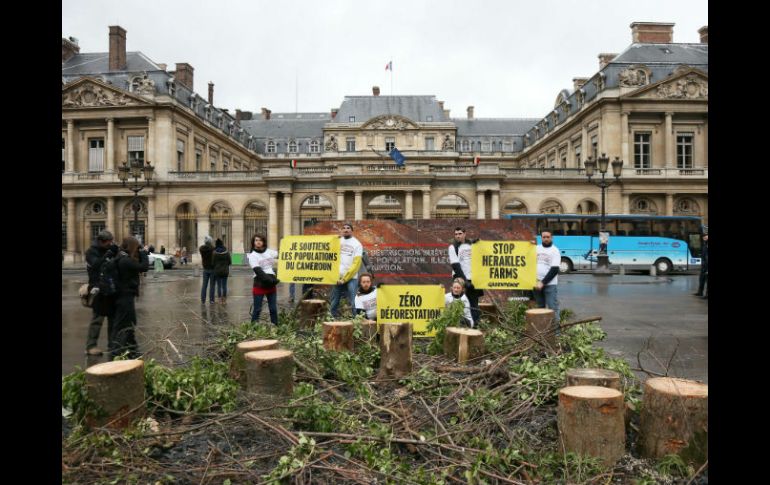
292, 146
314, 146
271, 147
352, 119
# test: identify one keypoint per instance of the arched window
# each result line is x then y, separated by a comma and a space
314, 146
292, 146
271, 147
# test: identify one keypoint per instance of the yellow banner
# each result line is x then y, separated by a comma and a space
504, 265
309, 259
416, 304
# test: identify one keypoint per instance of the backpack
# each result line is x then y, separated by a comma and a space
108, 277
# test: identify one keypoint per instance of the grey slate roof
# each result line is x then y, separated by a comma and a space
493, 126
285, 128
690, 54
415, 108
98, 62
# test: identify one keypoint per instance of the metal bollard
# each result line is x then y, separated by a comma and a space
653, 270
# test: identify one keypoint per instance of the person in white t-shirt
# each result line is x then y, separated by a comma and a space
458, 293
263, 261
460, 259
366, 299
351, 251
548, 261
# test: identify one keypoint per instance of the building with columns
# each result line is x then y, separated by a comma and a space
233, 175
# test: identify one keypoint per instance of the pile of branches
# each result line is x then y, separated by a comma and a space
492, 420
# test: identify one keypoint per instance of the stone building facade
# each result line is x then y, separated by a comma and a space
233, 175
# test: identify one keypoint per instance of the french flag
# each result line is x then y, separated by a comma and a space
389, 66
293, 164
476, 161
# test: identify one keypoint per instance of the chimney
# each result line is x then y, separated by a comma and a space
652, 33
162, 66
184, 74
470, 112
242, 115
704, 34
211, 93
375, 90
117, 48
266, 114
69, 47
334, 112
605, 58
578, 82
446, 113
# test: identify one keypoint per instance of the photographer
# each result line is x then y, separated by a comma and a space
460, 259
102, 248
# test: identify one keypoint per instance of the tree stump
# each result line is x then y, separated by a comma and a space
463, 344
489, 311
338, 336
395, 350
539, 326
310, 311
238, 361
368, 330
270, 372
591, 422
594, 377
117, 389
674, 419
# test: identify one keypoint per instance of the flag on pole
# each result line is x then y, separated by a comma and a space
476, 161
389, 66
293, 164
397, 156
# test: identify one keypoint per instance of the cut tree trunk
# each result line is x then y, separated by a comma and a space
674, 419
463, 344
395, 350
310, 311
591, 422
117, 389
338, 336
238, 361
489, 311
540, 327
594, 377
270, 372
368, 331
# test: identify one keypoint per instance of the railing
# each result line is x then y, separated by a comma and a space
544, 172
218, 175
647, 171
385, 168
314, 170
453, 169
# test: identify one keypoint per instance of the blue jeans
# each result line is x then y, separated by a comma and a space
293, 290
208, 275
348, 290
221, 286
548, 297
272, 305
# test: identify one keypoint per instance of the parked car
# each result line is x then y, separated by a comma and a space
168, 260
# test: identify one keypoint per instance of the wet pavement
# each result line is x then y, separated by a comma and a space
656, 316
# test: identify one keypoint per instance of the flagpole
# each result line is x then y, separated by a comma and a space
391, 75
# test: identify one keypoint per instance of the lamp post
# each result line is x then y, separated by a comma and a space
602, 163
135, 170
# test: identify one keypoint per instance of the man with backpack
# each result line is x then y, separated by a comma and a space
103, 249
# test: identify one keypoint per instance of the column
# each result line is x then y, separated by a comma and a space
705, 139
110, 146
111, 216
206, 158
341, 205
190, 155
408, 206
495, 204
238, 242
286, 214
150, 235
626, 203
480, 209
669, 140
71, 225
624, 153
70, 162
359, 205
570, 158
426, 204
272, 221
149, 144
585, 147
203, 231
669, 204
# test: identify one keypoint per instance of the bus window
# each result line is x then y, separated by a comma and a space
695, 245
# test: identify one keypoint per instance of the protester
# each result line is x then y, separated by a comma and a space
263, 261
366, 299
351, 251
130, 262
102, 248
458, 293
222, 262
548, 261
183, 254
704, 269
207, 251
460, 260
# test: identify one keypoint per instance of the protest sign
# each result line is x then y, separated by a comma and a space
504, 265
416, 304
309, 259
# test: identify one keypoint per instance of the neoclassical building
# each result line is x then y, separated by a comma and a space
233, 174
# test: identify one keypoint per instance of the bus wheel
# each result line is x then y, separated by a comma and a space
565, 266
663, 266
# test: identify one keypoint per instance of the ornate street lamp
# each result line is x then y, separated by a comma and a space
603, 162
135, 171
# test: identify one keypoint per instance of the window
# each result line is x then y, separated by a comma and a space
390, 144
63, 234
137, 230
96, 155
563, 158
507, 147
684, 150
466, 146
314, 146
429, 143
96, 228
642, 150
389, 199
485, 146
292, 146
577, 156
350, 144
63, 163
313, 200
136, 151
594, 146
642, 205
180, 156
429, 118
271, 147
352, 119
225, 164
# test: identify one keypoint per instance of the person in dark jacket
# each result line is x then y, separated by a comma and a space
103, 247
221, 261
131, 261
704, 269
207, 252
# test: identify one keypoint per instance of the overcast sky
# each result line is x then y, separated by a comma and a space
507, 58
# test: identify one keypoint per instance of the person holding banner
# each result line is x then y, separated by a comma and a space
351, 251
548, 261
460, 260
366, 299
458, 293
262, 260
